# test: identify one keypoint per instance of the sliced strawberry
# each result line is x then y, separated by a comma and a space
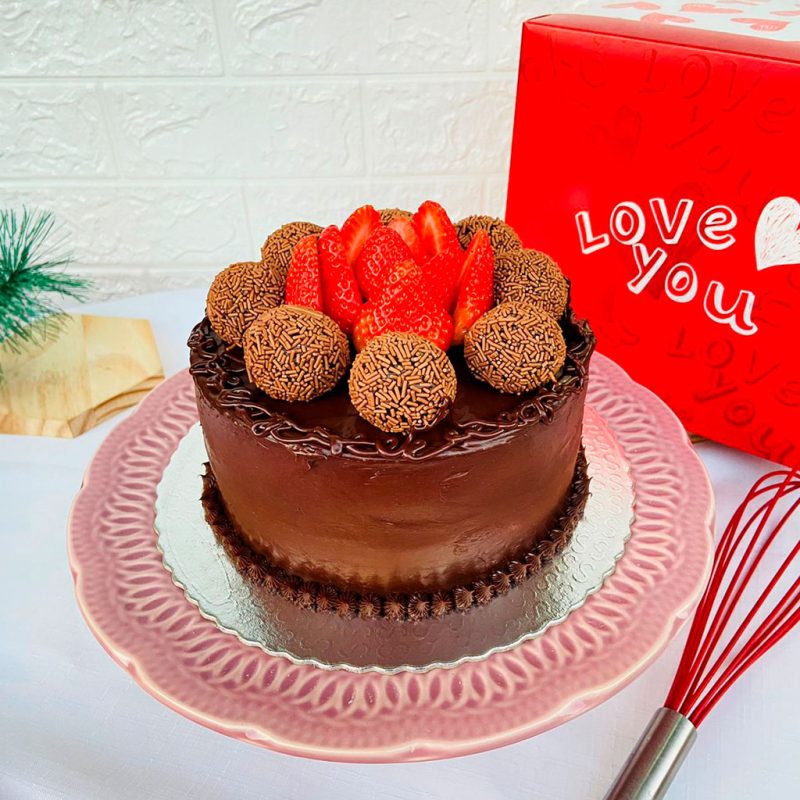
476, 286
433, 323
442, 273
356, 230
434, 228
303, 281
383, 249
368, 325
404, 283
341, 298
404, 305
407, 233
401, 273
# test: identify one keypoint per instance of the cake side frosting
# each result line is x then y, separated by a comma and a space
326, 597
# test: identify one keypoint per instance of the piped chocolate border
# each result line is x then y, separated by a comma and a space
219, 371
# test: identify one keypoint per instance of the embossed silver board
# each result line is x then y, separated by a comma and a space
201, 568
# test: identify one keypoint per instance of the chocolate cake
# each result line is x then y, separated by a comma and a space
409, 508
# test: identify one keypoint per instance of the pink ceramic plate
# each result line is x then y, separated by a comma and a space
149, 627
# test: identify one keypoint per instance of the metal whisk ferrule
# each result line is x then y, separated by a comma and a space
659, 753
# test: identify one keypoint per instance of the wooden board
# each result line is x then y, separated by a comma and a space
96, 367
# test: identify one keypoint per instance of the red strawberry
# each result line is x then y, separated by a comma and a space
434, 228
379, 314
384, 248
368, 325
341, 299
407, 233
442, 273
434, 323
356, 229
303, 282
476, 286
406, 306
405, 285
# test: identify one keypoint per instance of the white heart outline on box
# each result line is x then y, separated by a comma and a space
777, 240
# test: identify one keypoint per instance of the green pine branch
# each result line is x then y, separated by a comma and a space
32, 279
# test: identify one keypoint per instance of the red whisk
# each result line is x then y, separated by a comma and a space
712, 662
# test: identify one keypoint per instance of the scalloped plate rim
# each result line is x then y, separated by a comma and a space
416, 748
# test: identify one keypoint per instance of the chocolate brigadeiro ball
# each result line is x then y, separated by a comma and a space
277, 250
502, 236
401, 382
388, 214
515, 347
531, 276
295, 353
238, 295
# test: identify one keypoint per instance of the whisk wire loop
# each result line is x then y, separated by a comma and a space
700, 682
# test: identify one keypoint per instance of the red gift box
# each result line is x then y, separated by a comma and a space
658, 161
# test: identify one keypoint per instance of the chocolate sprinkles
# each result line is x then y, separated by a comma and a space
501, 235
388, 214
531, 276
238, 295
401, 382
277, 249
295, 353
515, 348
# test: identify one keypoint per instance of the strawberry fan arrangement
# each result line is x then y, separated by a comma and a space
401, 290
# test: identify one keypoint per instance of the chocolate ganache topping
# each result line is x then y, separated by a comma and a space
329, 425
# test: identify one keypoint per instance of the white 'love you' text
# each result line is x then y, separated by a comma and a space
627, 225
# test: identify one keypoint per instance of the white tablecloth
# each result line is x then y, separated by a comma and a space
75, 725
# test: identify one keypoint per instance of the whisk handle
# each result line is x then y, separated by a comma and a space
655, 760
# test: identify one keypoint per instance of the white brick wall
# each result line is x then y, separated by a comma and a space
170, 136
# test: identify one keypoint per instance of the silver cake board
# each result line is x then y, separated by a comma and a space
258, 618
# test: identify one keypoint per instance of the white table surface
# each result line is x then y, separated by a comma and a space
75, 725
